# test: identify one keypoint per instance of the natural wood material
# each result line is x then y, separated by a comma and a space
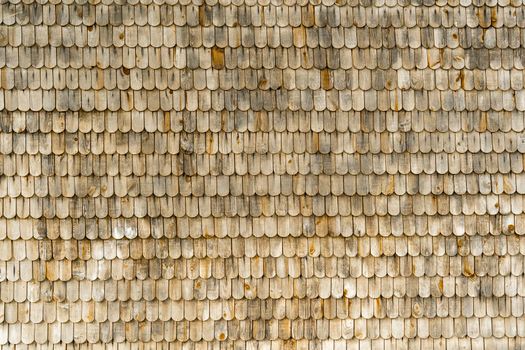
262, 174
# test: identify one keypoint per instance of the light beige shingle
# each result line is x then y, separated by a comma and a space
262, 174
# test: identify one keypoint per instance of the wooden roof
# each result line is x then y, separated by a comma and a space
262, 174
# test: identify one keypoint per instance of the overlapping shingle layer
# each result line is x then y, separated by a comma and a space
243, 174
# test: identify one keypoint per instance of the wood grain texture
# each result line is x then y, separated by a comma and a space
262, 174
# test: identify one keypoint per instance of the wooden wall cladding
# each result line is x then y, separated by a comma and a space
262, 174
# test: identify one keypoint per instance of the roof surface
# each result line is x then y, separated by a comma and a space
246, 174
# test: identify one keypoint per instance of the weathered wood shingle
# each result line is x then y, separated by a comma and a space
262, 174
